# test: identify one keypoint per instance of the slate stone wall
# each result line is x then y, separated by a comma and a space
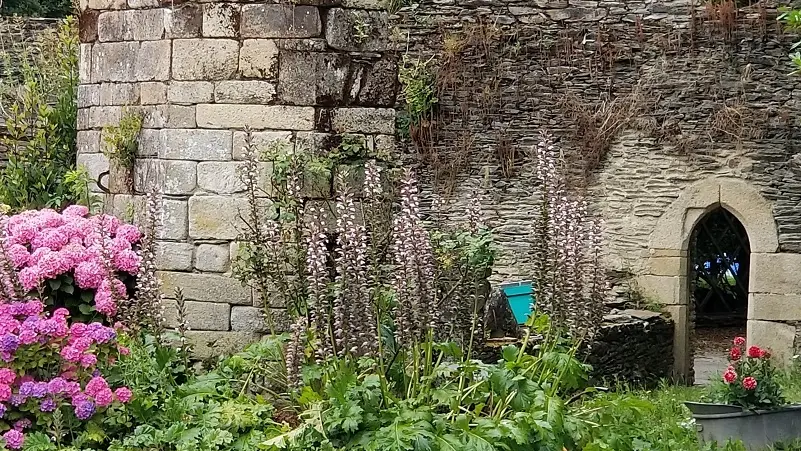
632, 346
200, 72
698, 99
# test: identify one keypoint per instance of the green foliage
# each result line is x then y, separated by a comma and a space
37, 8
442, 400
78, 182
418, 84
41, 112
792, 20
176, 409
121, 141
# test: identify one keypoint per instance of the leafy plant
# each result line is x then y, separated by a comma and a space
121, 141
78, 182
750, 380
792, 19
418, 84
41, 117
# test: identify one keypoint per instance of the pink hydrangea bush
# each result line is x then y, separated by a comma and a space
71, 259
46, 365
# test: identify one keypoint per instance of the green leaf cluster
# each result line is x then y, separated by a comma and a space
176, 408
41, 119
37, 8
121, 141
418, 84
792, 21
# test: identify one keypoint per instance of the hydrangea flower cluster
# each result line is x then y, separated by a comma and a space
44, 244
29, 336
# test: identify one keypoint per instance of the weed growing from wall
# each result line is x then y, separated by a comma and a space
121, 141
418, 83
792, 22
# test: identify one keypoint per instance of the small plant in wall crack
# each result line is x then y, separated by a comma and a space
792, 22
361, 30
121, 141
418, 82
120, 145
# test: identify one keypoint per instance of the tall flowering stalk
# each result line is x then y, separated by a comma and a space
147, 310
353, 320
293, 357
317, 280
272, 254
259, 237
566, 252
417, 311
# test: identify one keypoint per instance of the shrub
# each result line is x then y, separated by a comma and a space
174, 408
41, 114
52, 367
37, 8
71, 259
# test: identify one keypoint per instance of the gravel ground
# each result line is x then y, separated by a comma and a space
711, 348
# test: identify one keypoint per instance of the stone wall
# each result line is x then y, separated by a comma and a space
634, 346
508, 66
200, 73
653, 103
692, 92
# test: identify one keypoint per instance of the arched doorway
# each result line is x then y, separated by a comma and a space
771, 276
720, 261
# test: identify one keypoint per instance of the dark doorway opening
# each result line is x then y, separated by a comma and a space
719, 269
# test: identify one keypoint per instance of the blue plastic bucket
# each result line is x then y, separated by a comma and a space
521, 297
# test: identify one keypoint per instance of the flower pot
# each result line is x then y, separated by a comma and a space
756, 429
704, 408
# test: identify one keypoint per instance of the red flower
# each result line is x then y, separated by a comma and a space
735, 354
729, 376
765, 354
754, 352
749, 383
739, 341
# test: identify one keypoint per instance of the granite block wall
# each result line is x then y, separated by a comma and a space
200, 72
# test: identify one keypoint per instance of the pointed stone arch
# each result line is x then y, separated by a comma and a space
774, 291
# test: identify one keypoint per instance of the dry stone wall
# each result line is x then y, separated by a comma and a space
696, 98
200, 72
648, 100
